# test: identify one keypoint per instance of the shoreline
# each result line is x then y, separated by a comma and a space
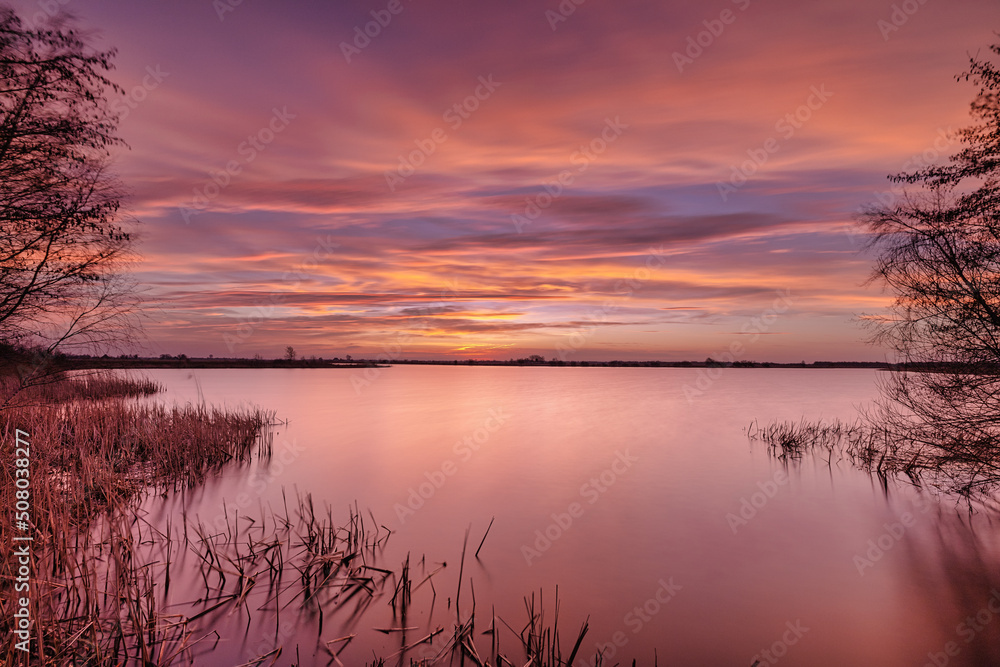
85, 363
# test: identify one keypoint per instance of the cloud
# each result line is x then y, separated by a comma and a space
312, 222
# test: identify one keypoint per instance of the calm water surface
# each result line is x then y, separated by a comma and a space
648, 508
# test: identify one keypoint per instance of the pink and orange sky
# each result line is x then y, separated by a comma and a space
607, 187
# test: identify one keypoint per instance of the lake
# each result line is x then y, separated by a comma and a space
634, 490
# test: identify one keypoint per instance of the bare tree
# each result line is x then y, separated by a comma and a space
290, 353
938, 253
64, 243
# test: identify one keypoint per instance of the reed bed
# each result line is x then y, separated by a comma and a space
791, 440
869, 447
88, 456
61, 387
93, 455
965, 469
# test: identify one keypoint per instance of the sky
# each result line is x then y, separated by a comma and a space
583, 179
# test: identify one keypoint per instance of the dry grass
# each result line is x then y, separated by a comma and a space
59, 387
886, 453
791, 440
91, 459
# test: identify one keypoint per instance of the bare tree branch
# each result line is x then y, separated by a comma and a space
64, 243
938, 251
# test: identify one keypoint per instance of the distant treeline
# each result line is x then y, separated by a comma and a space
183, 361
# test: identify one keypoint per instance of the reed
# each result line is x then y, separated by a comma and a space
969, 470
62, 387
94, 453
791, 440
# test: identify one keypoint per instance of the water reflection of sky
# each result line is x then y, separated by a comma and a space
877, 576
